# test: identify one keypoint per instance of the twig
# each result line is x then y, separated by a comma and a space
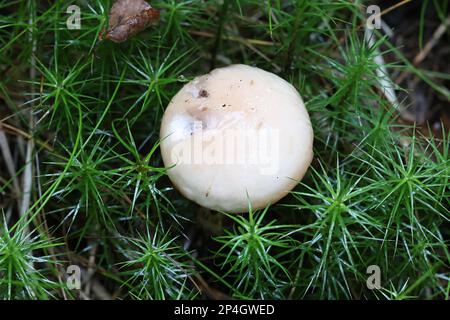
6, 152
265, 57
386, 84
100, 291
395, 6
438, 33
385, 11
9, 128
28, 172
90, 270
27, 180
434, 40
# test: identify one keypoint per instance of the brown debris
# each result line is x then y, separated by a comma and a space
127, 18
203, 93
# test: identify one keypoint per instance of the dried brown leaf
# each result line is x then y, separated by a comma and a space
127, 18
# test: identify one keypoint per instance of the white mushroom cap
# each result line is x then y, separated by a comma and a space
236, 135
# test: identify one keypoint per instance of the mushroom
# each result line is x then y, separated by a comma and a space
236, 135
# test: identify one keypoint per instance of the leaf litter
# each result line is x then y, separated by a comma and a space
127, 18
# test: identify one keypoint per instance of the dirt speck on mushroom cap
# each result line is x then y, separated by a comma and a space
255, 148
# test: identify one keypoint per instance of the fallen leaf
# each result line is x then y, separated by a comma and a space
127, 18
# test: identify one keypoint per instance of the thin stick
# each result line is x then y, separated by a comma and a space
386, 83
28, 172
434, 40
12, 129
385, 11
438, 33
395, 6
6, 152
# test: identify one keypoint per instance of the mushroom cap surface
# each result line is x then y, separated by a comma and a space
236, 135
